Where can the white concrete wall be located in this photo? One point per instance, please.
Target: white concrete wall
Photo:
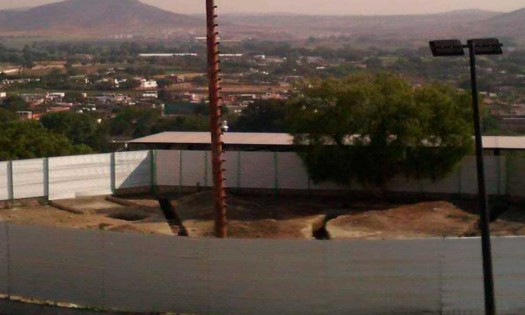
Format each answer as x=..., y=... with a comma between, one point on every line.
x=74, y=176
x=285, y=170
x=28, y=179
x=82, y=175
x=4, y=183
x=133, y=169
x=141, y=273
x=516, y=177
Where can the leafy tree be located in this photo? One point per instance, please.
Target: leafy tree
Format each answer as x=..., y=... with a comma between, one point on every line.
x=130, y=84
x=182, y=123
x=262, y=116
x=79, y=128
x=14, y=104
x=74, y=96
x=28, y=139
x=7, y=116
x=133, y=122
x=165, y=83
x=371, y=128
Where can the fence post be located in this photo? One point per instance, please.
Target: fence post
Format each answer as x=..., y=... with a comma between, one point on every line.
x=46, y=179
x=206, y=169
x=276, y=174
x=153, y=171
x=113, y=172
x=239, y=171
x=10, y=184
x=180, y=172
x=8, y=258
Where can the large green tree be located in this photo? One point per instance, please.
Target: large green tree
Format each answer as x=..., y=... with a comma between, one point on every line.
x=79, y=128
x=372, y=128
x=262, y=116
x=28, y=139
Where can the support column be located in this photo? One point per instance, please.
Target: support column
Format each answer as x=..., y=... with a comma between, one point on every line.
x=219, y=191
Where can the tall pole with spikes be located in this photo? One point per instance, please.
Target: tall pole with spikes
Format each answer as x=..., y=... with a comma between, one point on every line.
x=219, y=191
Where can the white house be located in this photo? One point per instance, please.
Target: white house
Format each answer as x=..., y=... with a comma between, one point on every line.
x=3, y=94
x=148, y=84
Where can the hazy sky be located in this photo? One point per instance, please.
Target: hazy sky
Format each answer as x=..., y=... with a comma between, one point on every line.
x=318, y=6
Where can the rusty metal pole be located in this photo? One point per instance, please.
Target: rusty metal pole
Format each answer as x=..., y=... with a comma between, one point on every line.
x=219, y=191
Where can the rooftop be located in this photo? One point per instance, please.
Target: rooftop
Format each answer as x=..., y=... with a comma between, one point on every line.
x=283, y=139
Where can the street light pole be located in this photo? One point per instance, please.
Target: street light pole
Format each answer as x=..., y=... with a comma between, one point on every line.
x=488, y=276
x=480, y=46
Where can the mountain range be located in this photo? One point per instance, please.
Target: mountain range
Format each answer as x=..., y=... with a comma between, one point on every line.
x=100, y=18
x=93, y=18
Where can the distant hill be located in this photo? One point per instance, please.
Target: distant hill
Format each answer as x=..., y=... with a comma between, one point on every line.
x=510, y=24
x=396, y=26
x=387, y=30
x=93, y=18
x=103, y=18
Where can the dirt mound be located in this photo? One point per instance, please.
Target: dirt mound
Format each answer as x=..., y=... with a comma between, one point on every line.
x=427, y=219
x=252, y=217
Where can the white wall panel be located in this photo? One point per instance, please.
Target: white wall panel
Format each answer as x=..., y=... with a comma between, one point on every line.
x=4, y=185
x=74, y=176
x=133, y=169
x=168, y=168
x=232, y=166
x=516, y=177
x=28, y=178
x=193, y=168
x=291, y=171
x=258, y=170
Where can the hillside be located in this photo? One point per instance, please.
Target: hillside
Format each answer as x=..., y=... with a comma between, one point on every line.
x=396, y=26
x=93, y=17
x=510, y=24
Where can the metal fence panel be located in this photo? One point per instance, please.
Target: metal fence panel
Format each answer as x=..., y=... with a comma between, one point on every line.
x=462, y=277
x=509, y=255
x=385, y=277
x=175, y=269
x=134, y=272
x=4, y=259
x=28, y=178
x=56, y=264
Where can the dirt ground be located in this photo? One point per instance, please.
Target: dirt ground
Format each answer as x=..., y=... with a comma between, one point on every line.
x=93, y=213
x=252, y=216
x=272, y=217
x=420, y=220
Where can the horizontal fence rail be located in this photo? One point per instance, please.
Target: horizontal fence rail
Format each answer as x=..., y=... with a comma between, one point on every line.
x=101, y=174
x=138, y=273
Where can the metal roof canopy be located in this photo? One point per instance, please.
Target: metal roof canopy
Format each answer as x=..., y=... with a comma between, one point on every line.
x=230, y=138
x=283, y=139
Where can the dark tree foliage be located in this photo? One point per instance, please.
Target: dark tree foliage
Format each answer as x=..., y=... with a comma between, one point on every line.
x=262, y=116
x=79, y=128
x=14, y=104
x=28, y=139
x=372, y=128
